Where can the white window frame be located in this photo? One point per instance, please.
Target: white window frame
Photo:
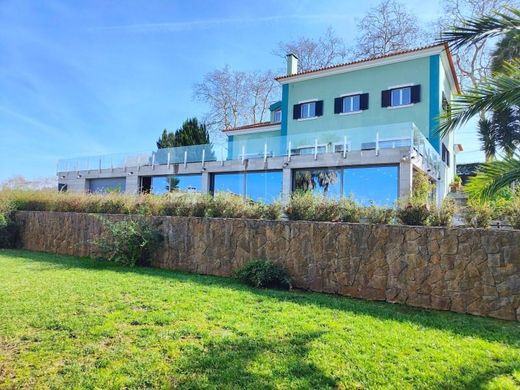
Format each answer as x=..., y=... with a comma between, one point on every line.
x=352, y=96
x=307, y=104
x=275, y=113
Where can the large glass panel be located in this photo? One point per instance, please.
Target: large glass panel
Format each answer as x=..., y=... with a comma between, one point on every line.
x=351, y=103
x=229, y=182
x=264, y=186
x=163, y=184
x=324, y=181
x=372, y=185
x=105, y=185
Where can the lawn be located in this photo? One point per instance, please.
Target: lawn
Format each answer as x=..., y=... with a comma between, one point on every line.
x=76, y=323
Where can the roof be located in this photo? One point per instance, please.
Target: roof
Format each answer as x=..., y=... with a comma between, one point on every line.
x=397, y=53
x=253, y=126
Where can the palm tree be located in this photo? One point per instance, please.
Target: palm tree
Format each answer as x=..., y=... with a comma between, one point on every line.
x=488, y=138
x=498, y=93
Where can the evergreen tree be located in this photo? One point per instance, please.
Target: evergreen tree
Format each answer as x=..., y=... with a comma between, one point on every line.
x=190, y=133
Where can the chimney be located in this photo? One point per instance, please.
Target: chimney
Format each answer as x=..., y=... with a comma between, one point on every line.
x=292, y=64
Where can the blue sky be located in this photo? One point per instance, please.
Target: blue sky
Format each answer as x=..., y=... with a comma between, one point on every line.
x=94, y=77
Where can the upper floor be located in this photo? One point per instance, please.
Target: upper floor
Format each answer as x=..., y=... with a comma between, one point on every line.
x=412, y=86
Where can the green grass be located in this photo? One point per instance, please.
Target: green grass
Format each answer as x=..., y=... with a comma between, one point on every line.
x=76, y=323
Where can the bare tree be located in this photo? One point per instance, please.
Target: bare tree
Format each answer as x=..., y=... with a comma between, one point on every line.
x=327, y=50
x=386, y=28
x=21, y=183
x=235, y=98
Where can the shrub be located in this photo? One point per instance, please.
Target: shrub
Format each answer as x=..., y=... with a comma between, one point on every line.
x=263, y=274
x=478, y=214
x=309, y=207
x=378, y=215
x=130, y=242
x=414, y=214
x=8, y=231
x=511, y=212
x=443, y=216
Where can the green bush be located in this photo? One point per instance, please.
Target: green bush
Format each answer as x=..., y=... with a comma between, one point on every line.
x=8, y=231
x=378, y=215
x=130, y=242
x=478, y=214
x=309, y=207
x=413, y=214
x=263, y=274
x=443, y=216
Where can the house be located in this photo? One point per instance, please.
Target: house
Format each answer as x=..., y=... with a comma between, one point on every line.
x=359, y=129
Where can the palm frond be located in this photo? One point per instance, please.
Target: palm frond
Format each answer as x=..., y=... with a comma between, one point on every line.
x=494, y=176
x=496, y=93
x=477, y=29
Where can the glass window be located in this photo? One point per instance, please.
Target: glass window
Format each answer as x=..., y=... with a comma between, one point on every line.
x=372, y=185
x=163, y=184
x=401, y=96
x=308, y=110
x=264, y=186
x=106, y=185
x=351, y=103
x=229, y=182
x=308, y=150
x=277, y=116
x=320, y=181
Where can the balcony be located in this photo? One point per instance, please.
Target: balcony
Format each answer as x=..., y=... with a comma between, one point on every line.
x=377, y=138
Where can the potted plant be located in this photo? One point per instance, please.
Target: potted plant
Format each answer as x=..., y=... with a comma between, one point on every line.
x=456, y=184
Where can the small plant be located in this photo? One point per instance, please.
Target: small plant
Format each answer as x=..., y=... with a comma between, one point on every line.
x=478, y=214
x=263, y=274
x=378, y=215
x=129, y=242
x=414, y=214
x=456, y=184
x=349, y=211
x=443, y=216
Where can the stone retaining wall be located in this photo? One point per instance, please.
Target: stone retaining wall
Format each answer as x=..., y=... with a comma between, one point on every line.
x=473, y=271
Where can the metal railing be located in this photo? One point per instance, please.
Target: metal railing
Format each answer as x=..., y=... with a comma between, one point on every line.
x=400, y=135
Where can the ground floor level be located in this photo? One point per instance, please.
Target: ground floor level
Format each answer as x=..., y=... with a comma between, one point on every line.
x=370, y=177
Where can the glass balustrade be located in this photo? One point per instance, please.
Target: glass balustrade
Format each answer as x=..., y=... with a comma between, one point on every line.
x=241, y=147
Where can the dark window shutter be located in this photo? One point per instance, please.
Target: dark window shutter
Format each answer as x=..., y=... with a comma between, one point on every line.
x=386, y=98
x=319, y=108
x=338, y=105
x=297, y=111
x=363, y=101
x=416, y=94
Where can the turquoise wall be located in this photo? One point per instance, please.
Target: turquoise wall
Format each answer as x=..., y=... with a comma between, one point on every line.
x=371, y=80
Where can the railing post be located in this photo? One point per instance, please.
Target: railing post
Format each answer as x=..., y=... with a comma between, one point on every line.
x=112, y=164
x=243, y=153
x=315, y=148
x=99, y=165
x=377, y=143
x=203, y=157
x=345, y=146
x=153, y=161
x=265, y=152
x=222, y=154
x=289, y=151
x=185, y=158
x=169, y=159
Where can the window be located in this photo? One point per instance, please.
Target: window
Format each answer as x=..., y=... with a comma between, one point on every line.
x=106, y=185
x=351, y=103
x=164, y=184
x=401, y=96
x=372, y=185
x=308, y=110
x=445, y=155
x=277, y=116
x=263, y=186
x=322, y=181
